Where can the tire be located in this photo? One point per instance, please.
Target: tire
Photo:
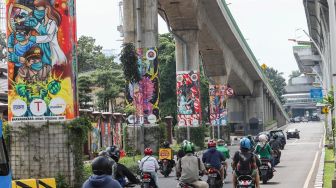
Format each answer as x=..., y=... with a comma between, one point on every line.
x=264, y=180
x=146, y=185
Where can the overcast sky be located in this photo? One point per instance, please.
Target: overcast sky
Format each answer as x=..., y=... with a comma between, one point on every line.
x=266, y=24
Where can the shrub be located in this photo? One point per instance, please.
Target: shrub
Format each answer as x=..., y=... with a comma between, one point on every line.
x=197, y=135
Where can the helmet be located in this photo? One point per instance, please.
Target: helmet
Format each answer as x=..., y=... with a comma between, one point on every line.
x=263, y=138
x=220, y=142
x=188, y=147
x=113, y=152
x=249, y=137
x=245, y=143
x=148, y=151
x=211, y=143
x=102, y=165
x=166, y=144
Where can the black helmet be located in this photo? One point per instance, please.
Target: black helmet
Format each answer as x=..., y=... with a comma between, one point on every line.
x=166, y=144
x=102, y=165
x=113, y=152
x=275, y=136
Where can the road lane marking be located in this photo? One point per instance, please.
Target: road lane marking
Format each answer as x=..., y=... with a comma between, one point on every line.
x=311, y=172
x=321, y=141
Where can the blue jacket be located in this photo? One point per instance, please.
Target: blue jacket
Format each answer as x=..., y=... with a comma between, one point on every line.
x=213, y=157
x=101, y=181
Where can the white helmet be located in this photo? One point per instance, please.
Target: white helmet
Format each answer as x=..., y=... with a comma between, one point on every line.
x=263, y=138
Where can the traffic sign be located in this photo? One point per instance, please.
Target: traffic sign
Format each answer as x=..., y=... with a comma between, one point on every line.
x=229, y=91
x=325, y=110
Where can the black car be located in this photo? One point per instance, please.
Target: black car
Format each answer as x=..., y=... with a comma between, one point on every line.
x=293, y=133
x=315, y=118
x=281, y=136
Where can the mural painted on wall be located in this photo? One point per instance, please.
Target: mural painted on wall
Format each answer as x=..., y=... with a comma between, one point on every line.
x=42, y=60
x=144, y=95
x=117, y=137
x=188, y=98
x=218, y=111
x=106, y=133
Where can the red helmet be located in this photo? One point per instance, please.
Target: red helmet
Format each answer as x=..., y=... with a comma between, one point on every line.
x=148, y=151
x=211, y=143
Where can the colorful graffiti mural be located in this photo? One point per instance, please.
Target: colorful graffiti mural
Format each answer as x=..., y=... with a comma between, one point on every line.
x=117, y=137
x=95, y=137
x=42, y=60
x=188, y=98
x=144, y=95
x=218, y=111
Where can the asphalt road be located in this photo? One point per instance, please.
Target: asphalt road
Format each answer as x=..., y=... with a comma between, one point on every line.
x=297, y=167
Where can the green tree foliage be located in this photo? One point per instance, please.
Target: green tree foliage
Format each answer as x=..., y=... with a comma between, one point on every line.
x=277, y=81
x=167, y=64
x=85, y=83
x=112, y=83
x=89, y=54
x=128, y=58
x=294, y=74
x=205, y=97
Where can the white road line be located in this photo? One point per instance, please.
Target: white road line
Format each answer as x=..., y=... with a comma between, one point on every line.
x=311, y=172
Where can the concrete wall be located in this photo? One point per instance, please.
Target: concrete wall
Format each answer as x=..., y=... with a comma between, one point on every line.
x=40, y=151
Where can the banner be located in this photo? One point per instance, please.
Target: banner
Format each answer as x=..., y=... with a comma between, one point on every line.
x=188, y=98
x=117, y=137
x=42, y=67
x=95, y=137
x=144, y=95
x=218, y=111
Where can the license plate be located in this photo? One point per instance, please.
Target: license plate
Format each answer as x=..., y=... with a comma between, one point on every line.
x=264, y=167
x=146, y=180
x=213, y=175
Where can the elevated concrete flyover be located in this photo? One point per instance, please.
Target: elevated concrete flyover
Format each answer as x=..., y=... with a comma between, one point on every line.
x=206, y=29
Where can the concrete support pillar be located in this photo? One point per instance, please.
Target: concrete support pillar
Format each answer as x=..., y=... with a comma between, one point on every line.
x=148, y=21
x=192, y=59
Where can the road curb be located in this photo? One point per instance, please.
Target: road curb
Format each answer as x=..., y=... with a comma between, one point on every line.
x=320, y=171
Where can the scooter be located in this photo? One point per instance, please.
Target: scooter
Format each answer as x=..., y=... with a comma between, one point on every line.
x=147, y=181
x=266, y=171
x=185, y=185
x=214, y=177
x=165, y=167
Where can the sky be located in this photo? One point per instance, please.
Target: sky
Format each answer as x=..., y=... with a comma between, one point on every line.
x=266, y=25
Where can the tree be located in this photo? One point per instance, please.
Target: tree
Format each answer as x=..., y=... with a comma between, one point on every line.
x=294, y=74
x=85, y=83
x=89, y=54
x=277, y=81
x=168, y=102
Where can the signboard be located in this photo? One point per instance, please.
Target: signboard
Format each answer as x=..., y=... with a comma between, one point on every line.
x=325, y=110
x=144, y=95
x=218, y=111
x=316, y=93
x=264, y=67
x=165, y=153
x=188, y=98
x=42, y=57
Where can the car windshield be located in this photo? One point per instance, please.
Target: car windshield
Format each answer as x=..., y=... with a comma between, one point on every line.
x=291, y=130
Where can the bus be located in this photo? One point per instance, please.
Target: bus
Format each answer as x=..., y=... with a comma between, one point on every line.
x=5, y=172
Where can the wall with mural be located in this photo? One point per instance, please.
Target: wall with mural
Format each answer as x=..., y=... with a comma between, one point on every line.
x=42, y=60
x=188, y=98
x=144, y=95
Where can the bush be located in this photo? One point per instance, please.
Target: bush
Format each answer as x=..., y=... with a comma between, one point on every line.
x=131, y=163
x=61, y=181
x=197, y=135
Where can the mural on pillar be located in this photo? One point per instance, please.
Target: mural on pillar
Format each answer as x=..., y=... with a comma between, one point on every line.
x=117, y=138
x=42, y=60
x=218, y=111
x=144, y=95
x=95, y=137
x=106, y=133
x=188, y=98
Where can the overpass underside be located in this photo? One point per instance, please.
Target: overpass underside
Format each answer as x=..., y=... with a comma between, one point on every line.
x=206, y=32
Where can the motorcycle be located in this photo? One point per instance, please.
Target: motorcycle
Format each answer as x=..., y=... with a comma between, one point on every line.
x=147, y=181
x=245, y=181
x=165, y=167
x=276, y=156
x=214, y=177
x=266, y=171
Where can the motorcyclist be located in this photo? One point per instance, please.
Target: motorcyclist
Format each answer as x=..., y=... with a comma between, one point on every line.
x=244, y=162
x=264, y=149
x=214, y=158
x=180, y=152
x=221, y=147
x=166, y=145
x=251, y=140
x=188, y=168
x=275, y=144
x=121, y=170
x=102, y=171
x=150, y=164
